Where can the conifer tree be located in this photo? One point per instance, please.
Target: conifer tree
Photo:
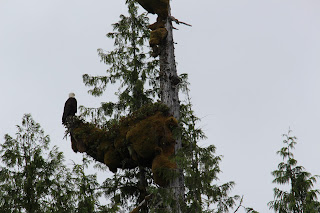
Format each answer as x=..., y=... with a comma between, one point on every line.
x=86, y=187
x=201, y=165
x=30, y=173
x=301, y=196
x=128, y=65
x=34, y=178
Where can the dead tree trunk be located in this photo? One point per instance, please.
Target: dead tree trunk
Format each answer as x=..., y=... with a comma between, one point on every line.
x=169, y=91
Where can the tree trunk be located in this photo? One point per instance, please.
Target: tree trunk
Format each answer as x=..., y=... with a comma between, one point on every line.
x=169, y=81
x=142, y=188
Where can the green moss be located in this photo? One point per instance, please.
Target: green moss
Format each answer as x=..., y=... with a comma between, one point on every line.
x=112, y=159
x=157, y=25
x=90, y=139
x=131, y=141
x=162, y=169
x=146, y=135
x=156, y=36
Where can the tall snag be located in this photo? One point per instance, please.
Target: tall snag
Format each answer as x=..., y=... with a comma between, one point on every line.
x=170, y=96
x=161, y=40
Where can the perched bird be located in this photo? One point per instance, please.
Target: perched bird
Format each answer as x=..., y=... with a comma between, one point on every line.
x=70, y=107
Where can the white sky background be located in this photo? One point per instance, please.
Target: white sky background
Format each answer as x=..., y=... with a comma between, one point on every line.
x=253, y=67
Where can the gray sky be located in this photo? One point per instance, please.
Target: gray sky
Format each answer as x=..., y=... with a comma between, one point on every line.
x=253, y=67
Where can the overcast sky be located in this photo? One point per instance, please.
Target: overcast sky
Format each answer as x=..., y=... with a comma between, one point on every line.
x=253, y=67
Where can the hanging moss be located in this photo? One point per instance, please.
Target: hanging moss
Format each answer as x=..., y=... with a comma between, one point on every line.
x=162, y=169
x=156, y=36
x=157, y=25
x=112, y=159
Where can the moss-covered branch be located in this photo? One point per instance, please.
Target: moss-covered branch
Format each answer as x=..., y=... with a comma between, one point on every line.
x=143, y=138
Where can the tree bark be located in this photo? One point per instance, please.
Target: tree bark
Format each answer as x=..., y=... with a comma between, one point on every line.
x=169, y=91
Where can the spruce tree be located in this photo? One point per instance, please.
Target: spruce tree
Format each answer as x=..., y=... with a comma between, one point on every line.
x=301, y=197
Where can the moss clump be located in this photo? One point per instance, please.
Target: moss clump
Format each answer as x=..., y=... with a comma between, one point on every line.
x=157, y=25
x=136, y=139
x=112, y=159
x=144, y=112
x=86, y=138
x=150, y=137
x=157, y=36
x=162, y=169
x=146, y=134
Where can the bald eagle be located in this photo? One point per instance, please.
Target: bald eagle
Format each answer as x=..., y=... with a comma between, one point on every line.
x=70, y=107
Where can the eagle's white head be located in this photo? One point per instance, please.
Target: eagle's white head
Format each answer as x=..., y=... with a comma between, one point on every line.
x=71, y=95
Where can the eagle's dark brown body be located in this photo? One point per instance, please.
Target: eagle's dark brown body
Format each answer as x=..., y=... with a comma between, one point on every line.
x=70, y=109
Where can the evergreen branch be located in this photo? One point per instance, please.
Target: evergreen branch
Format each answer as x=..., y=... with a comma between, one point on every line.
x=240, y=204
x=148, y=197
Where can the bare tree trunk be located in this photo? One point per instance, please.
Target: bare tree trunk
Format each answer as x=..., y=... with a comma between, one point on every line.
x=142, y=188
x=169, y=81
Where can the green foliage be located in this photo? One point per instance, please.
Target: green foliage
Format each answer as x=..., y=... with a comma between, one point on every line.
x=128, y=65
x=123, y=189
x=60, y=191
x=33, y=178
x=301, y=197
x=201, y=167
x=86, y=193
x=137, y=77
x=27, y=175
x=250, y=210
